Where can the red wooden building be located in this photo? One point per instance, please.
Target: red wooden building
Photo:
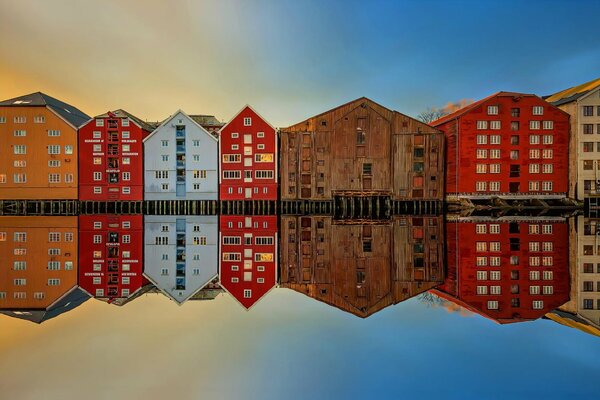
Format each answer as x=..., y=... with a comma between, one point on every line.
x=111, y=159
x=111, y=249
x=507, y=145
x=248, y=158
x=508, y=270
x=248, y=256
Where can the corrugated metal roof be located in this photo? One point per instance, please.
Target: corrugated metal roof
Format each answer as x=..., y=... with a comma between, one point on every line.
x=573, y=93
x=72, y=114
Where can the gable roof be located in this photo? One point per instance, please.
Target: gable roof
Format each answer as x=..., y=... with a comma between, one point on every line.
x=239, y=112
x=166, y=121
x=71, y=114
x=573, y=93
x=207, y=120
x=120, y=113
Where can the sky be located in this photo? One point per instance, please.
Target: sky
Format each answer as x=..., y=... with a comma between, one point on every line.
x=289, y=346
x=291, y=59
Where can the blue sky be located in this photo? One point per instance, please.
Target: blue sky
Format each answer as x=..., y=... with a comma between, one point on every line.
x=292, y=59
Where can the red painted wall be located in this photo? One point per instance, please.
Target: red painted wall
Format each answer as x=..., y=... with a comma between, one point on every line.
x=91, y=254
x=461, y=282
x=227, y=145
x=461, y=134
x=87, y=167
x=254, y=226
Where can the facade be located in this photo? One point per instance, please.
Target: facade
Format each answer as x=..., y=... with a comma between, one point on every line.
x=38, y=160
x=585, y=272
x=361, y=268
x=361, y=149
x=248, y=158
x=508, y=269
x=582, y=103
x=181, y=161
x=248, y=256
x=181, y=254
x=111, y=255
x=38, y=277
x=111, y=157
x=508, y=145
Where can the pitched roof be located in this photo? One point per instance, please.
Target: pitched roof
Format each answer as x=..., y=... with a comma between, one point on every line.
x=147, y=126
x=73, y=115
x=166, y=121
x=460, y=112
x=572, y=93
x=207, y=120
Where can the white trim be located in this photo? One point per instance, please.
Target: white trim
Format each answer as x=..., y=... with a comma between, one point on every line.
x=165, y=122
x=239, y=112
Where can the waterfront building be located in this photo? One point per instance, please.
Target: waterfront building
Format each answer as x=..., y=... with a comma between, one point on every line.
x=361, y=149
x=511, y=269
x=248, y=158
x=181, y=254
x=111, y=157
x=582, y=103
x=38, y=273
x=111, y=255
x=248, y=256
x=38, y=158
x=508, y=145
x=181, y=161
x=361, y=268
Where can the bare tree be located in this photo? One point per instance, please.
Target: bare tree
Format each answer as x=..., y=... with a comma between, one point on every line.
x=431, y=114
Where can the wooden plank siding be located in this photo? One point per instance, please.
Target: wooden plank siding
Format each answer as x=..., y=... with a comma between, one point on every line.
x=361, y=148
x=361, y=268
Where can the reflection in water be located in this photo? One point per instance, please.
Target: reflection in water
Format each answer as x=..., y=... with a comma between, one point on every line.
x=509, y=269
x=361, y=268
x=38, y=280
x=181, y=254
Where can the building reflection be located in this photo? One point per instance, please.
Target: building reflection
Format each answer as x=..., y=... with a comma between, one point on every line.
x=583, y=310
x=361, y=268
x=248, y=259
x=509, y=269
x=111, y=256
x=181, y=254
x=38, y=272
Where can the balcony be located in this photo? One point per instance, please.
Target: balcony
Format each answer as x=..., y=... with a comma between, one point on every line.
x=180, y=160
x=180, y=131
x=112, y=124
x=180, y=145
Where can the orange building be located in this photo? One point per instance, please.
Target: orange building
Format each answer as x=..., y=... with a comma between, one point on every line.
x=38, y=270
x=38, y=158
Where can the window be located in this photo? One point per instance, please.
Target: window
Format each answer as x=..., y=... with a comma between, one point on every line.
x=514, y=126
x=164, y=143
x=196, y=143
x=20, y=120
x=97, y=190
x=126, y=176
x=20, y=237
x=534, y=154
x=126, y=239
x=534, y=125
x=161, y=174
x=97, y=176
x=20, y=265
x=53, y=282
x=538, y=110
x=232, y=158
x=482, y=125
x=492, y=110
x=481, y=186
x=548, y=290
x=99, y=122
x=534, y=139
x=495, y=125
x=481, y=168
x=495, y=139
x=482, y=290
x=481, y=139
x=548, y=139
x=19, y=178
x=480, y=228
x=264, y=157
x=547, y=125
x=247, y=121
x=492, y=305
x=495, y=153
x=495, y=246
x=97, y=148
x=53, y=132
x=2, y=178
x=125, y=122
x=494, y=275
x=96, y=134
x=538, y=304
x=534, y=186
x=494, y=261
x=547, y=153
x=494, y=228
x=547, y=168
x=126, y=148
x=588, y=111
x=247, y=293
x=20, y=133
x=53, y=178
x=68, y=149
x=494, y=186
x=495, y=290
x=20, y=282
x=2, y=120
x=481, y=261
x=232, y=174
x=54, y=236
x=20, y=149
x=547, y=186
x=264, y=174
x=534, y=168
x=54, y=149
x=481, y=153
